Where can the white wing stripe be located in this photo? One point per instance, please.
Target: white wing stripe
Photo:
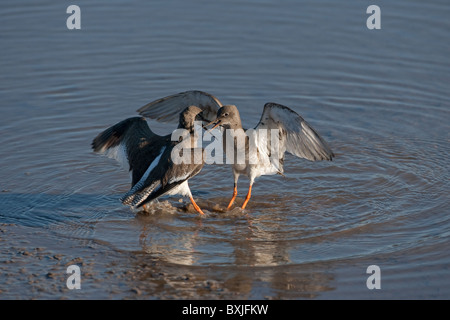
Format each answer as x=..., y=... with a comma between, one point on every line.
x=141, y=181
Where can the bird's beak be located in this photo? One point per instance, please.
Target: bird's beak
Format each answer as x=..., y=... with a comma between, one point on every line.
x=216, y=123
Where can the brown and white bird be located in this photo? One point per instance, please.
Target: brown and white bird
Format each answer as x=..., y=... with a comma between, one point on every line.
x=294, y=134
x=149, y=157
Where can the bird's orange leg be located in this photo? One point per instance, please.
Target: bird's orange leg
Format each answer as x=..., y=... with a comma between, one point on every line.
x=196, y=207
x=249, y=194
x=233, y=198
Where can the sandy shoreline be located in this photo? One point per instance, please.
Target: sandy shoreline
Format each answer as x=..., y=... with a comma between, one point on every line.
x=33, y=266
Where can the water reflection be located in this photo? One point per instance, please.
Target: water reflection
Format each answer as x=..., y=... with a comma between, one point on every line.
x=155, y=277
x=187, y=240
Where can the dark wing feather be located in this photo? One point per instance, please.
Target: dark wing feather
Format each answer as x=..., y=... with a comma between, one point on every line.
x=168, y=109
x=132, y=143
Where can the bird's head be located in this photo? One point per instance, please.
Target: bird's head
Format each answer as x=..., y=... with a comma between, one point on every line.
x=227, y=117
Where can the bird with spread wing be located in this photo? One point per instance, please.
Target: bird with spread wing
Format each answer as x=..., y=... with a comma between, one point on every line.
x=294, y=134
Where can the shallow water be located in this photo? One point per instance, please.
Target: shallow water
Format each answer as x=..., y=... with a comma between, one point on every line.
x=380, y=98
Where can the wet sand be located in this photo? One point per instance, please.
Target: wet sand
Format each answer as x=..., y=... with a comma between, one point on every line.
x=34, y=268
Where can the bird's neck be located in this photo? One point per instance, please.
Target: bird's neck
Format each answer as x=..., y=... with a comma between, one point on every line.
x=236, y=125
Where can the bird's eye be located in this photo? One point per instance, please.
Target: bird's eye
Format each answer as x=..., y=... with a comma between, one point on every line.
x=225, y=114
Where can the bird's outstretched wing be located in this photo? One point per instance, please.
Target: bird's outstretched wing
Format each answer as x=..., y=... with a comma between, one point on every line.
x=168, y=109
x=132, y=143
x=296, y=136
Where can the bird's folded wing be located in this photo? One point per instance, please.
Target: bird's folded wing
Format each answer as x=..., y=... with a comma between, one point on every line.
x=168, y=109
x=295, y=134
x=165, y=177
